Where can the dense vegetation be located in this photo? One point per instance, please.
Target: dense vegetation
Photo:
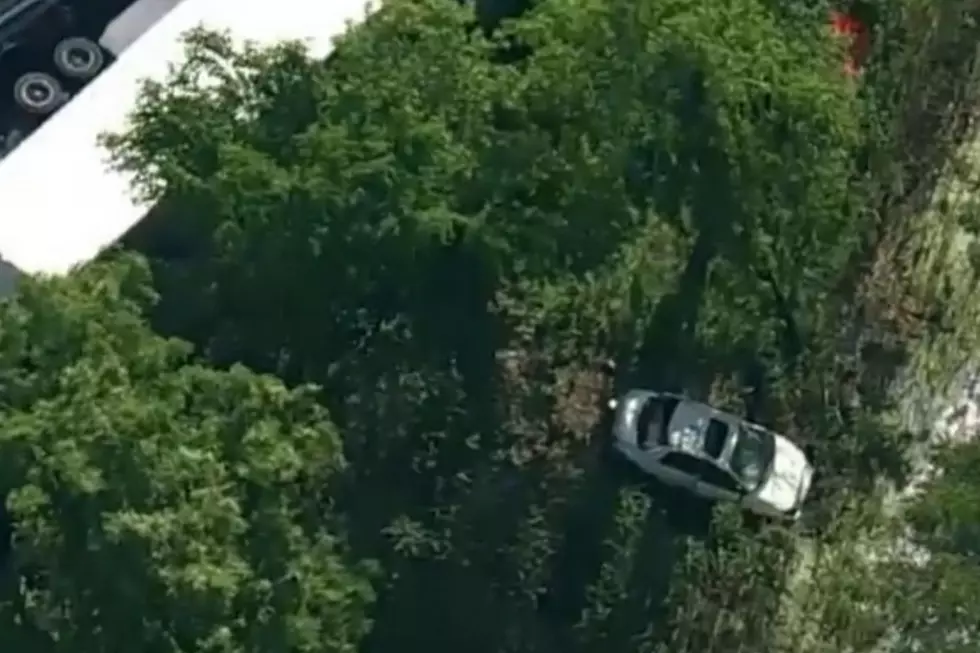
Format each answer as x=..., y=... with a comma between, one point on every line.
x=344, y=390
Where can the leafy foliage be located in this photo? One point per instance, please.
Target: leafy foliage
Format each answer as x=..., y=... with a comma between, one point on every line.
x=156, y=499
x=944, y=574
x=450, y=227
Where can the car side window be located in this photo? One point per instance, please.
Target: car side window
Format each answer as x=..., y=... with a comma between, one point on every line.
x=702, y=470
x=719, y=478
x=683, y=462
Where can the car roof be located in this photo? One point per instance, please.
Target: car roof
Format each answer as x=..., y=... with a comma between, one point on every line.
x=717, y=413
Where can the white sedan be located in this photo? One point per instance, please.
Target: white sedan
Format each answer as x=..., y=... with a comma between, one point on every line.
x=718, y=456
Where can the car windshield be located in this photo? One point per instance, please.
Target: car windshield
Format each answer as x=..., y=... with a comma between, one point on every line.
x=752, y=456
x=654, y=420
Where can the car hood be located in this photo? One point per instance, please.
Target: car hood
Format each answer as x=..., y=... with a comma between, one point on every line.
x=789, y=479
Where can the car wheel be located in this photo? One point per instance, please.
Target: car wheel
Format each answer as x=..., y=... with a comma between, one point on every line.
x=78, y=58
x=11, y=140
x=38, y=93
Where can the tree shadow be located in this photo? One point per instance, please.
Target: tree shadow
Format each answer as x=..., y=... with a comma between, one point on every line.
x=6, y=533
x=669, y=344
x=585, y=545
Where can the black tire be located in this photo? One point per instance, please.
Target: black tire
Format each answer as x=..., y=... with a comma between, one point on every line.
x=38, y=93
x=79, y=58
x=11, y=140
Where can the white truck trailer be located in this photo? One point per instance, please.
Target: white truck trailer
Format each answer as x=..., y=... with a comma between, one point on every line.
x=60, y=203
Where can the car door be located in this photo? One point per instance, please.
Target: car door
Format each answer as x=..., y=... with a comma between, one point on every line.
x=680, y=469
x=718, y=484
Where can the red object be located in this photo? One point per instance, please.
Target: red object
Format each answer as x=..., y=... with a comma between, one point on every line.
x=856, y=32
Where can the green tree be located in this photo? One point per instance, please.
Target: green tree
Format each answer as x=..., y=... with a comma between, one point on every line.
x=156, y=502
x=416, y=153
x=445, y=226
x=941, y=574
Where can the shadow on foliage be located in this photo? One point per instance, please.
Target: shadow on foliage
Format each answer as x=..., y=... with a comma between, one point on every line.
x=669, y=344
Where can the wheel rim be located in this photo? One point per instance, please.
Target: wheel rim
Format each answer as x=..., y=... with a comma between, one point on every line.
x=78, y=57
x=37, y=93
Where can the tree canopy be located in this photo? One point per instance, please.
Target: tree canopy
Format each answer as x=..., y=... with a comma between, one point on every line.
x=156, y=500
